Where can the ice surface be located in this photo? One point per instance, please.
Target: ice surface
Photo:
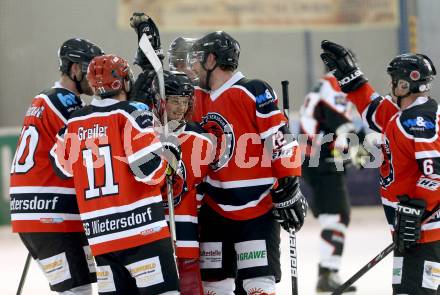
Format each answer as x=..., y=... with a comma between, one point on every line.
x=366, y=237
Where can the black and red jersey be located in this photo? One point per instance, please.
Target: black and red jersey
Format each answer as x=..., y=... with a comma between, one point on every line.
x=41, y=201
x=113, y=153
x=411, y=151
x=253, y=147
x=196, y=150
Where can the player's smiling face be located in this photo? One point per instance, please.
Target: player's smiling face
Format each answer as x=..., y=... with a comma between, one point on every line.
x=176, y=107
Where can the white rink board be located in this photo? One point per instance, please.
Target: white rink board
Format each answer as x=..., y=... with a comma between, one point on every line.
x=366, y=237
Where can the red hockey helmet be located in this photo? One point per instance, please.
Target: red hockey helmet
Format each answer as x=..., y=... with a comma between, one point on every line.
x=108, y=75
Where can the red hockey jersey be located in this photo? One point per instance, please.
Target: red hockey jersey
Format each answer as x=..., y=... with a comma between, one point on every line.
x=411, y=151
x=41, y=201
x=253, y=146
x=112, y=151
x=196, y=156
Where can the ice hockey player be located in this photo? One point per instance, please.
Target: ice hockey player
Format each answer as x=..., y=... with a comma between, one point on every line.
x=410, y=172
x=115, y=157
x=253, y=181
x=43, y=207
x=326, y=119
x=178, y=56
x=196, y=152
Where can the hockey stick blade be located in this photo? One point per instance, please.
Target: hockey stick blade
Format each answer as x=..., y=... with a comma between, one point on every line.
x=376, y=260
x=147, y=49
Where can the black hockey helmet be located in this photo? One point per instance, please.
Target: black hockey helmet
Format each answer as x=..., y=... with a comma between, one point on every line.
x=77, y=50
x=178, y=52
x=146, y=89
x=416, y=69
x=178, y=84
x=221, y=44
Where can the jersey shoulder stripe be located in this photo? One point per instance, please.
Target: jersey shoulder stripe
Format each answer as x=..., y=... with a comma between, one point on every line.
x=137, y=113
x=62, y=101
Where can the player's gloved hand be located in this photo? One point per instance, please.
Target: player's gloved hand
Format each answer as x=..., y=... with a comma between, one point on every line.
x=142, y=89
x=142, y=23
x=172, y=153
x=179, y=188
x=290, y=206
x=342, y=62
x=408, y=222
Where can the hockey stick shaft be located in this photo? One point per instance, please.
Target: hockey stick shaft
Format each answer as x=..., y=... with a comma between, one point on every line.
x=375, y=260
x=147, y=49
x=24, y=274
x=292, y=236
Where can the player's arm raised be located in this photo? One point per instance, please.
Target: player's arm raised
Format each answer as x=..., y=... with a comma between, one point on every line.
x=374, y=108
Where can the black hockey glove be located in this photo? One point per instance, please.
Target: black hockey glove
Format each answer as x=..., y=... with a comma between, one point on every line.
x=290, y=206
x=408, y=222
x=142, y=23
x=143, y=89
x=342, y=63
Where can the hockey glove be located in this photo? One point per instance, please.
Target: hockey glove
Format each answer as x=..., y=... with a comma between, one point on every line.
x=142, y=23
x=342, y=63
x=290, y=206
x=408, y=222
x=172, y=153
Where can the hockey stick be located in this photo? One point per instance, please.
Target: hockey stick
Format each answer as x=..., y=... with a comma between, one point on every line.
x=24, y=273
x=375, y=261
x=292, y=236
x=147, y=49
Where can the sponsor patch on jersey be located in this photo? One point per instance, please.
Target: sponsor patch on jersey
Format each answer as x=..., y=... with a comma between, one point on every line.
x=251, y=254
x=428, y=184
x=55, y=268
x=67, y=100
x=419, y=124
x=147, y=272
x=140, y=106
x=89, y=258
x=105, y=280
x=211, y=255
x=431, y=275
x=264, y=98
x=397, y=270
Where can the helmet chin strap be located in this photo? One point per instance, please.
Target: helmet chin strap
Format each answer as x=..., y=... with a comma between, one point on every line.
x=208, y=75
x=77, y=82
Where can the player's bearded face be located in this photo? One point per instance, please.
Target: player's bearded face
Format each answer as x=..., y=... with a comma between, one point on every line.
x=86, y=86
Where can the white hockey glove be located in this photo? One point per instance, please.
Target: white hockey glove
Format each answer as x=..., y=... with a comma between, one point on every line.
x=408, y=222
x=172, y=153
x=290, y=206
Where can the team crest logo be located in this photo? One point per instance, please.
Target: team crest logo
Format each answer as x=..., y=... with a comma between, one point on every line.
x=387, y=169
x=216, y=124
